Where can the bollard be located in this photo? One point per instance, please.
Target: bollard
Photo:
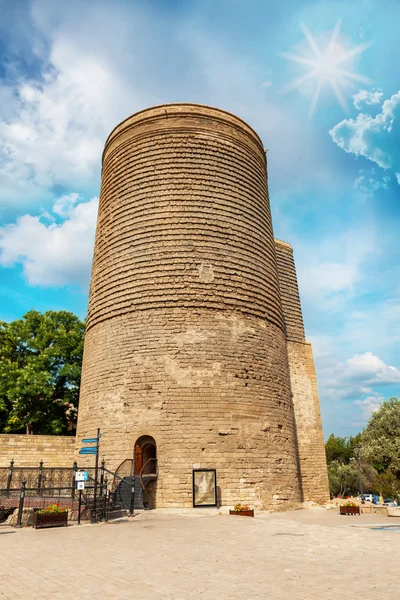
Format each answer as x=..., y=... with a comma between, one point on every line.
x=21, y=505
x=79, y=507
x=104, y=515
x=131, y=510
x=10, y=474
x=73, y=484
x=39, y=483
x=102, y=472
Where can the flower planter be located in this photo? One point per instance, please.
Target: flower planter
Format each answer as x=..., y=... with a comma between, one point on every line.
x=56, y=519
x=349, y=510
x=242, y=513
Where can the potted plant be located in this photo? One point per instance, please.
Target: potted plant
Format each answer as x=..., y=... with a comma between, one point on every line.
x=349, y=508
x=52, y=516
x=243, y=510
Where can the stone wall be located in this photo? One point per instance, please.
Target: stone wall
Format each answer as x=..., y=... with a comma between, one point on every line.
x=289, y=290
x=29, y=450
x=185, y=337
x=310, y=441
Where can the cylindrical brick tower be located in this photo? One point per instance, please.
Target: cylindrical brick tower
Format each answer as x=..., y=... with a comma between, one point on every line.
x=185, y=342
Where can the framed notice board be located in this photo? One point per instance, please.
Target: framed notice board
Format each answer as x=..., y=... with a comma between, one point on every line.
x=204, y=487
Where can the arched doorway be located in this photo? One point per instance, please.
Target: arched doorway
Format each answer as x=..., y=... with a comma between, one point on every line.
x=145, y=459
x=145, y=469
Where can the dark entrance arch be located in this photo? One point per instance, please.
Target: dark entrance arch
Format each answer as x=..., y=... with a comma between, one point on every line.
x=145, y=459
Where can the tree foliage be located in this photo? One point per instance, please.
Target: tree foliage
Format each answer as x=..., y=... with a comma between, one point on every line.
x=40, y=370
x=344, y=478
x=341, y=449
x=379, y=455
x=381, y=438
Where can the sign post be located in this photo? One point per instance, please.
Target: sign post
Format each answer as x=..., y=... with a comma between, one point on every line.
x=80, y=478
x=79, y=506
x=96, y=471
x=93, y=450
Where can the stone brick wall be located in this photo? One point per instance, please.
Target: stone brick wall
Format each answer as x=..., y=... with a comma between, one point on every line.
x=29, y=450
x=185, y=339
x=289, y=290
x=310, y=441
x=313, y=469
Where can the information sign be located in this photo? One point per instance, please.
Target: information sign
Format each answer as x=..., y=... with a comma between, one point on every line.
x=88, y=451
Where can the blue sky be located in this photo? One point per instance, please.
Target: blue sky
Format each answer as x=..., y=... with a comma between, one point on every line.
x=69, y=72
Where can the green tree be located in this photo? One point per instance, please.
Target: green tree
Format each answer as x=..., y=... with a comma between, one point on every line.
x=341, y=449
x=344, y=479
x=381, y=438
x=388, y=485
x=40, y=370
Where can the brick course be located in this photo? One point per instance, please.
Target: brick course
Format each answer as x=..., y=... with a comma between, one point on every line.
x=185, y=338
x=303, y=381
x=188, y=325
x=29, y=450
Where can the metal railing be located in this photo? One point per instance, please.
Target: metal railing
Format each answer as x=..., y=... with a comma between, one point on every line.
x=39, y=487
x=148, y=472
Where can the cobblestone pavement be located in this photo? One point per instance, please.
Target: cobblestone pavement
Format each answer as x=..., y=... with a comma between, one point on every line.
x=302, y=555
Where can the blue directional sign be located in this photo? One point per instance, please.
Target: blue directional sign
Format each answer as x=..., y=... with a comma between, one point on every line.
x=90, y=441
x=88, y=451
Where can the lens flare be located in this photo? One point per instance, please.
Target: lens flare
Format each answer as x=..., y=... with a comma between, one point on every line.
x=327, y=66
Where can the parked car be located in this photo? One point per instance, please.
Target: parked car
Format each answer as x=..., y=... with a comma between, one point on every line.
x=368, y=497
x=371, y=498
x=389, y=502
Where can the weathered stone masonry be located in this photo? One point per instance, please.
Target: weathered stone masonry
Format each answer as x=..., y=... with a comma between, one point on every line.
x=187, y=331
x=29, y=450
x=310, y=441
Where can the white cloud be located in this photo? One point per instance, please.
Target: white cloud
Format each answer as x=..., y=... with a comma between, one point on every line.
x=57, y=132
x=64, y=205
x=375, y=138
x=367, y=97
x=370, y=369
x=330, y=274
x=368, y=184
x=369, y=405
x=104, y=65
x=54, y=254
x=354, y=376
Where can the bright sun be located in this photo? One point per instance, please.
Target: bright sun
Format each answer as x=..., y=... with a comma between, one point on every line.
x=327, y=66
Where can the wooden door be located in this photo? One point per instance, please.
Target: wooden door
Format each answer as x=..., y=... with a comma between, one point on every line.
x=139, y=459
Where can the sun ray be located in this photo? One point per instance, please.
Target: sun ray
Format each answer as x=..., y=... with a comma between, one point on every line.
x=353, y=52
x=354, y=76
x=298, y=82
x=310, y=40
x=315, y=99
x=338, y=94
x=334, y=36
x=299, y=59
x=325, y=66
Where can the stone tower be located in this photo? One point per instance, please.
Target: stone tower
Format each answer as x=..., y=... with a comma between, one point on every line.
x=189, y=325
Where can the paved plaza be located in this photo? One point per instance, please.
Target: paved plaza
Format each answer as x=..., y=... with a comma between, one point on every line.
x=301, y=555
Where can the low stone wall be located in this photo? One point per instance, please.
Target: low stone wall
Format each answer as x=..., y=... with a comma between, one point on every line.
x=373, y=509
x=29, y=450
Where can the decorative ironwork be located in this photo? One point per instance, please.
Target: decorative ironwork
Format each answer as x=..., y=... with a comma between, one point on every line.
x=36, y=488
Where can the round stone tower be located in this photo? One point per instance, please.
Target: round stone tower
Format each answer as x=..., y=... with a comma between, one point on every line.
x=185, y=352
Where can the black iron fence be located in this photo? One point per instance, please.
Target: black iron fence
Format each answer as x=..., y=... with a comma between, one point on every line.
x=24, y=490
x=39, y=477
